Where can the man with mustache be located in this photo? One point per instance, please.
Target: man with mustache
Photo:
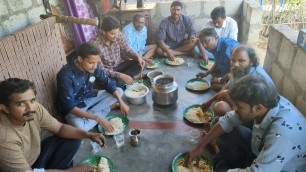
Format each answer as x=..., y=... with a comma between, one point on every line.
x=21, y=119
x=176, y=33
x=135, y=34
x=244, y=61
x=276, y=141
x=225, y=26
x=112, y=45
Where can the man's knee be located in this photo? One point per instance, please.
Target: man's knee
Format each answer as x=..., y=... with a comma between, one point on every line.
x=221, y=108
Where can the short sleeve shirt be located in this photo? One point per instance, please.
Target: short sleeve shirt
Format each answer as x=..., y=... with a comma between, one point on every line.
x=223, y=54
x=20, y=145
x=278, y=141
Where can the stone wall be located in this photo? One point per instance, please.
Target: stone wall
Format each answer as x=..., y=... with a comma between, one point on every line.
x=285, y=63
x=16, y=15
x=247, y=13
x=197, y=10
x=250, y=22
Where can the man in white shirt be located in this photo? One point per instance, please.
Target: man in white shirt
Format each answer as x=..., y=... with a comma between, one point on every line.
x=224, y=26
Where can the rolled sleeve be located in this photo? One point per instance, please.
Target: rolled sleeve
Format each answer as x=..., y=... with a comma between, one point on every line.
x=229, y=121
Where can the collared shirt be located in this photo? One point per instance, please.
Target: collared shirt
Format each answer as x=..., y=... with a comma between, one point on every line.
x=223, y=53
x=174, y=33
x=278, y=141
x=253, y=70
x=135, y=39
x=229, y=28
x=74, y=86
x=110, y=54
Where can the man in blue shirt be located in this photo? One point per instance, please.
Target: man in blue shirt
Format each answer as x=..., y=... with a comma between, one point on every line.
x=277, y=140
x=221, y=48
x=135, y=35
x=83, y=106
x=176, y=33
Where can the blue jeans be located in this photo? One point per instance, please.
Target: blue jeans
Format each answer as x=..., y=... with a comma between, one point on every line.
x=95, y=105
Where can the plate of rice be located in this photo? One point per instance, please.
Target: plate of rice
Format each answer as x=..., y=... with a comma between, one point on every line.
x=119, y=122
x=197, y=84
x=101, y=163
x=178, y=164
x=208, y=66
x=177, y=61
x=194, y=114
x=156, y=65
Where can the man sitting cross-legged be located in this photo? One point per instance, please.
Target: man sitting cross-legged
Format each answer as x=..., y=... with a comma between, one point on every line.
x=21, y=119
x=176, y=33
x=135, y=35
x=112, y=44
x=83, y=106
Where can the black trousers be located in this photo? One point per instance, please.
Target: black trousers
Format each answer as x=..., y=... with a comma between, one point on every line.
x=235, y=150
x=128, y=67
x=57, y=153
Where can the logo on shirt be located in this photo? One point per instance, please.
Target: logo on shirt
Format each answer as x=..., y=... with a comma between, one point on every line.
x=92, y=79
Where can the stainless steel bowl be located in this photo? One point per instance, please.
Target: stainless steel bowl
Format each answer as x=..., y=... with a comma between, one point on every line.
x=135, y=99
x=151, y=75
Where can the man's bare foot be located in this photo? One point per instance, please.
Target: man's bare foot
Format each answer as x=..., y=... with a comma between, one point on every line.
x=114, y=106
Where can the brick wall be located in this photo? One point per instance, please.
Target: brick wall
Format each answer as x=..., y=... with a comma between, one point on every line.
x=285, y=62
x=247, y=13
x=18, y=14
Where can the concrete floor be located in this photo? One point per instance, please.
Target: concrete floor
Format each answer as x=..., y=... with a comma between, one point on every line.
x=164, y=131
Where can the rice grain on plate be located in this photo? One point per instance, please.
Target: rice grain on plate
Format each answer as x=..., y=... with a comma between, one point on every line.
x=197, y=115
x=102, y=166
x=197, y=85
x=203, y=166
x=118, y=126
